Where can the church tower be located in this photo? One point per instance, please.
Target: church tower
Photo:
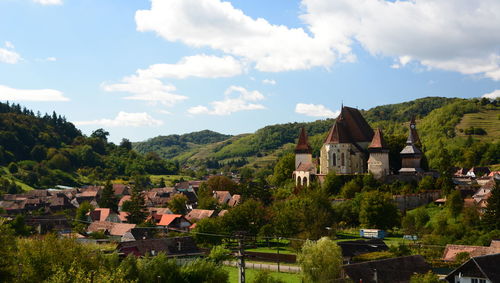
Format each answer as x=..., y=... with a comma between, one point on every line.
x=305, y=169
x=411, y=156
x=303, y=151
x=378, y=163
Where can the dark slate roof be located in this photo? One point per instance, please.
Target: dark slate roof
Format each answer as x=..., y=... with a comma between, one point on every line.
x=480, y=266
x=350, y=127
x=411, y=149
x=303, y=145
x=354, y=248
x=392, y=270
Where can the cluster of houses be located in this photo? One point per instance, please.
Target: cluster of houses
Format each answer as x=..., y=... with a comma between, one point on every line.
x=41, y=208
x=475, y=186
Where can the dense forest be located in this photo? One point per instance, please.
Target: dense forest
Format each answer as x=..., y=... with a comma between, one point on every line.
x=43, y=151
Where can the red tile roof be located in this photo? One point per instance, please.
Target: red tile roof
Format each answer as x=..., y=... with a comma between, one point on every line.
x=166, y=219
x=378, y=140
x=197, y=214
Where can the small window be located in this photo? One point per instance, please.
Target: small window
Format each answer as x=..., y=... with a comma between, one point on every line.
x=482, y=280
x=334, y=159
x=342, y=159
x=473, y=280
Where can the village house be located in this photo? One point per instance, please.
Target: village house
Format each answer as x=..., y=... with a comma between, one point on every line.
x=198, y=214
x=116, y=230
x=392, y=270
x=479, y=269
x=178, y=247
x=103, y=214
x=351, y=249
x=174, y=222
x=222, y=197
x=451, y=251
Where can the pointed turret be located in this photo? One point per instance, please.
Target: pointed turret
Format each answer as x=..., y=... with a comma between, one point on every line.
x=413, y=130
x=303, y=145
x=378, y=141
x=378, y=163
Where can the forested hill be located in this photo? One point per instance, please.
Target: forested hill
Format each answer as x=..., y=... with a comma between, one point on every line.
x=41, y=151
x=438, y=119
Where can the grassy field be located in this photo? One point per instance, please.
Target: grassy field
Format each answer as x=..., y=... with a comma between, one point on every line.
x=486, y=119
x=273, y=250
x=169, y=179
x=251, y=273
x=4, y=172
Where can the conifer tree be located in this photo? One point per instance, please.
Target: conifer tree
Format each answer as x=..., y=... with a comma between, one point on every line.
x=108, y=198
x=136, y=205
x=492, y=214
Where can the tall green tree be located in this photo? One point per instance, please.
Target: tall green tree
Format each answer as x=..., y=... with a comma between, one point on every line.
x=320, y=261
x=136, y=205
x=108, y=198
x=492, y=214
x=283, y=170
x=378, y=211
x=178, y=204
x=454, y=203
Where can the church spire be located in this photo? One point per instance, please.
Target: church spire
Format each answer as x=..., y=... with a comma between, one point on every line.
x=303, y=145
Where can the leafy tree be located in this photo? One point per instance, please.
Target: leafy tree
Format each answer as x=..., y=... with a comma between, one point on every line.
x=7, y=252
x=13, y=168
x=126, y=144
x=200, y=270
x=378, y=211
x=219, y=254
x=100, y=134
x=221, y=183
x=19, y=226
x=178, y=204
x=39, y=152
x=427, y=183
x=283, y=170
x=320, y=261
x=264, y=276
x=81, y=216
x=108, y=198
x=249, y=216
x=206, y=230
x=415, y=221
x=350, y=189
x=429, y=277
x=333, y=183
x=454, y=203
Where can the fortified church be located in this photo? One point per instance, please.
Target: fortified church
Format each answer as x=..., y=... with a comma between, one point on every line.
x=352, y=147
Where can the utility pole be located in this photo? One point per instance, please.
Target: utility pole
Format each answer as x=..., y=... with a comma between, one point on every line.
x=241, y=257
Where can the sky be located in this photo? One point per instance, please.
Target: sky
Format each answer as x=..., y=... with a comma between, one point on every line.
x=143, y=68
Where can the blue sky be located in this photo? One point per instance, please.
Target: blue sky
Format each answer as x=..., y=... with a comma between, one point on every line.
x=145, y=68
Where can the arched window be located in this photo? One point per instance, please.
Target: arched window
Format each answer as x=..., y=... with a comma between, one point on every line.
x=334, y=159
x=299, y=181
x=304, y=181
x=342, y=159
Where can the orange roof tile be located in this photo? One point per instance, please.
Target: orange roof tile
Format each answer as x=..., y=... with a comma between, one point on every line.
x=166, y=219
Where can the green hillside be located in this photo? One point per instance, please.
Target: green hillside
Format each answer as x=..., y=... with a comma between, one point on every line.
x=437, y=118
x=487, y=119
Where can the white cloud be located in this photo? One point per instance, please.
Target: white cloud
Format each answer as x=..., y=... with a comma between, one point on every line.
x=236, y=99
x=9, y=44
x=268, y=82
x=315, y=110
x=124, y=119
x=9, y=56
x=49, y=2
x=203, y=66
x=492, y=95
x=8, y=93
x=219, y=25
x=454, y=35
x=146, y=89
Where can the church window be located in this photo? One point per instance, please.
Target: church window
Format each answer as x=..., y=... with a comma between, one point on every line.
x=342, y=159
x=334, y=159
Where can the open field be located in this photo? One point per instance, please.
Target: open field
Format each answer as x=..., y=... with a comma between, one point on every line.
x=486, y=119
x=169, y=179
x=251, y=273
